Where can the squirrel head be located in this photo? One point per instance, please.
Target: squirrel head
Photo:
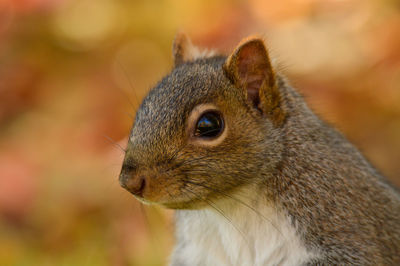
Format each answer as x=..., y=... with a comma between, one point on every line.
x=209, y=127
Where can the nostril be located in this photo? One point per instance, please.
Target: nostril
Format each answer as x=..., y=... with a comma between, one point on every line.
x=136, y=185
x=127, y=173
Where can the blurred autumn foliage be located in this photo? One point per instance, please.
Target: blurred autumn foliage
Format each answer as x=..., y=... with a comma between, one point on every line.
x=72, y=73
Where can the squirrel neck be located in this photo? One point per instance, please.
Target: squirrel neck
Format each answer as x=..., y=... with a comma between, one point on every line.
x=244, y=229
x=328, y=188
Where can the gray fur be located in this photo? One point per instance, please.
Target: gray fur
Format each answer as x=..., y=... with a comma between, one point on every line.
x=340, y=204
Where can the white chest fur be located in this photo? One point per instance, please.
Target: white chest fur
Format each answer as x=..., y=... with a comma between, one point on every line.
x=240, y=235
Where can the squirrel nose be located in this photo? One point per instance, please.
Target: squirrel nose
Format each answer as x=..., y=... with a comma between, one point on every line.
x=135, y=185
x=131, y=181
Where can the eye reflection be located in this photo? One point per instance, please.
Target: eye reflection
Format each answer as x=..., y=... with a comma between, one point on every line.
x=209, y=125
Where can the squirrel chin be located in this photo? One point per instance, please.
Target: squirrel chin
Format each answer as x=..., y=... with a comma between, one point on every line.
x=190, y=204
x=187, y=205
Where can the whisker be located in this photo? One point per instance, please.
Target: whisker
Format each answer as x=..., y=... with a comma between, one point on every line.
x=237, y=200
x=131, y=85
x=114, y=143
x=184, y=162
x=214, y=206
x=149, y=227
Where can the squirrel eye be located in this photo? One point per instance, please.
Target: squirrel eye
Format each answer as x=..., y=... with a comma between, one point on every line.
x=209, y=125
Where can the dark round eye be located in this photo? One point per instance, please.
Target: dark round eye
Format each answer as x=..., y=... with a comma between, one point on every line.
x=209, y=125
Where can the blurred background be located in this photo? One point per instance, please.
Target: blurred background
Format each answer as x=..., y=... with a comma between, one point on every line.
x=72, y=73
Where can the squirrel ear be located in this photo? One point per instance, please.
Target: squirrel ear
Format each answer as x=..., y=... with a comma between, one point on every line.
x=182, y=48
x=249, y=67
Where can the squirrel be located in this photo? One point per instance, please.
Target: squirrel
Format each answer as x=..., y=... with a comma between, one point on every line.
x=255, y=176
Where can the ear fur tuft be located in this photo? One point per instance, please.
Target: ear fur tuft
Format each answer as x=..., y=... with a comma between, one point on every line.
x=183, y=50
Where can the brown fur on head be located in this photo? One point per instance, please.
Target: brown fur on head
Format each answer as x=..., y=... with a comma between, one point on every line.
x=166, y=163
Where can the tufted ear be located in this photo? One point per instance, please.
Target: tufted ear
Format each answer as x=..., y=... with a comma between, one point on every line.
x=182, y=49
x=249, y=68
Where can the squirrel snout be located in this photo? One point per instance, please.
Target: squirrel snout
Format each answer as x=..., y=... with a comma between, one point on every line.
x=132, y=182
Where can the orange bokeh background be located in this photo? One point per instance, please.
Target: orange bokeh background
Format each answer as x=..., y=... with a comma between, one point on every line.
x=72, y=73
